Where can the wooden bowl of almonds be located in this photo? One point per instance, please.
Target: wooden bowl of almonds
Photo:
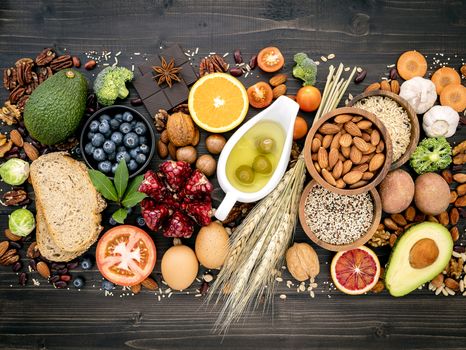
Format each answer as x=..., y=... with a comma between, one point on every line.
x=348, y=151
x=339, y=222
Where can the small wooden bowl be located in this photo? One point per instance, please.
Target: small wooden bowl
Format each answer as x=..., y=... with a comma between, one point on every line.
x=377, y=204
x=415, y=131
x=384, y=136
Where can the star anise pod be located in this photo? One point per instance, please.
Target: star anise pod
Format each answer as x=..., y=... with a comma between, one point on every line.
x=167, y=72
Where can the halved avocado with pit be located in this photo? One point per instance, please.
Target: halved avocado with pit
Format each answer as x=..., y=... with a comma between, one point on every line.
x=419, y=255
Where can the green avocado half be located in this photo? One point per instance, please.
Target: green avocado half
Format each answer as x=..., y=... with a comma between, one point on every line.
x=401, y=277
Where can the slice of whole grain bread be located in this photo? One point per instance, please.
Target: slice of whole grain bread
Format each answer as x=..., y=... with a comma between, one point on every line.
x=69, y=203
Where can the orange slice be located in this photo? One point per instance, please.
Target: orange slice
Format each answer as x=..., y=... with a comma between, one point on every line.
x=218, y=102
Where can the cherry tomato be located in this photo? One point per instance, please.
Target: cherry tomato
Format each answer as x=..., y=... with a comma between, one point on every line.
x=308, y=98
x=260, y=95
x=300, y=128
x=126, y=255
x=270, y=59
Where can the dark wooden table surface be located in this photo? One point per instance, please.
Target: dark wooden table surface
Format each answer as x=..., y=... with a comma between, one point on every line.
x=370, y=34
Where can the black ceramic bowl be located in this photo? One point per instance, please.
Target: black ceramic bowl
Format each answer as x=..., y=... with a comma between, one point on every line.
x=112, y=111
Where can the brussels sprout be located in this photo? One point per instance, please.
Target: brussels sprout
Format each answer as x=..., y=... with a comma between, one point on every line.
x=15, y=171
x=21, y=222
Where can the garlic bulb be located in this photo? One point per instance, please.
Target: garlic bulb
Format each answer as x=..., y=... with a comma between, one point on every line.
x=420, y=93
x=440, y=121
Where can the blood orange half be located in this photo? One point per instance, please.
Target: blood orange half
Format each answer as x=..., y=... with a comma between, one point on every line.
x=355, y=271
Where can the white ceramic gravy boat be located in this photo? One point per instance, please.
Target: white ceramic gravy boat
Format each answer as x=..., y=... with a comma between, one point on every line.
x=283, y=111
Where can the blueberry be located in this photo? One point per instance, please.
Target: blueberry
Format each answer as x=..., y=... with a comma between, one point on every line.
x=86, y=263
x=134, y=152
x=125, y=128
x=112, y=221
x=107, y=285
x=104, y=117
x=140, y=128
x=98, y=140
x=133, y=124
x=89, y=148
x=141, y=158
x=114, y=124
x=109, y=147
x=127, y=117
x=94, y=126
x=119, y=117
x=140, y=221
x=78, y=282
x=132, y=165
x=98, y=154
x=144, y=148
x=123, y=155
x=131, y=140
x=105, y=166
x=104, y=126
x=114, y=167
x=91, y=134
x=111, y=156
x=117, y=137
x=121, y=149
x=142, y=140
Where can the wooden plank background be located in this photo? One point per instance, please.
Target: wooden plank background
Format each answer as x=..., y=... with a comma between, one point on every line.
x=367, y=33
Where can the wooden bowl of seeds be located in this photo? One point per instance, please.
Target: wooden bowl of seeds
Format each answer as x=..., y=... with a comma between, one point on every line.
x=348, y=151
x=398, y=117
x=339, y=222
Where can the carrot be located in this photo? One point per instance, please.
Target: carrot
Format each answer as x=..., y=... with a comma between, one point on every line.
x=454, y=95
x=443, y=77
x=411, y=64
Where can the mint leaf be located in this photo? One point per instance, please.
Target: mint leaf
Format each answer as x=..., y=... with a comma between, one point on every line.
x=103, y=184
x=132, y=196
x=120, y=215
x=121, y=178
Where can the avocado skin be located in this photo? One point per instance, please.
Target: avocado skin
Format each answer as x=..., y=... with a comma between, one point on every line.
x=433, y=270
x=55, y=108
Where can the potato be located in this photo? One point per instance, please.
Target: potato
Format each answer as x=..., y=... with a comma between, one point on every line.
x=396, y=191
x=432, y=194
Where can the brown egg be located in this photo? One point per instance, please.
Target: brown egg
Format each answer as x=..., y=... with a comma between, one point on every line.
x=179, y=267
x=212, y=245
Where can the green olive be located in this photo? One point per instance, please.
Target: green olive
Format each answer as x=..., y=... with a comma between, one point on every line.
x=266, y=145
x=245, y=174
x=262, y=165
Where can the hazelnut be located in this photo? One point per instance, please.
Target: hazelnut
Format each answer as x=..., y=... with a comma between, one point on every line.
x=206, y=164
x=187, y=154
x=215, y=143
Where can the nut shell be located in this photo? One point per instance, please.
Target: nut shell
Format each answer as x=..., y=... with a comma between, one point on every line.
x=180, y=129
x=302, y=261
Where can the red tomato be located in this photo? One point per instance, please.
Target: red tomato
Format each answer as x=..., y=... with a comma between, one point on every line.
x=260, y=95
x=125, y=255
x=308, y=98
x=270, y=59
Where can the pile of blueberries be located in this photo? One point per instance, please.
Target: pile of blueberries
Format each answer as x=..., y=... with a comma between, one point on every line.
x=113, y=139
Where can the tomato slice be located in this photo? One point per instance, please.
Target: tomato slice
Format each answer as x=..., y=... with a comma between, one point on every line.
x=270, y=59
x=126, y=255
x=260, y=95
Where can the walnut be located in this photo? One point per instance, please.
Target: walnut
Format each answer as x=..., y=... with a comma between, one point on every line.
x=455, y=268
x=380, y=238
x=9, y=114
x=302, y=261
x=160, y=120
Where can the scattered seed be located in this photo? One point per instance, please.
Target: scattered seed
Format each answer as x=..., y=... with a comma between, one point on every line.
x=282, y=296
x=331, y=56
x=323, y=58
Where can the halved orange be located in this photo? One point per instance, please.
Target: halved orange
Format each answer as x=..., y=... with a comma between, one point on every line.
x=218, y=102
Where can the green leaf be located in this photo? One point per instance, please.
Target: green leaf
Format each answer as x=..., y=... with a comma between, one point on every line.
x=103, y=184
x=132, y=196
x=120, y=215
x=121, y=178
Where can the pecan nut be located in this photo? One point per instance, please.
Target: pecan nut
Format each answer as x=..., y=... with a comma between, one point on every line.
x=212, y=64
x=61, y=62
x=24, y=71
x=9, y=78
x=15, y=197
x=45, y=57
x=44, y=73
x=10, y=257
x=22, y=102
x=16, y=94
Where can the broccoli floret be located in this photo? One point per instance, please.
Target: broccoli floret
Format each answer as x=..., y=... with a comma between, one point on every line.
x=305, y=69
x=431, y=154
x=110, y=84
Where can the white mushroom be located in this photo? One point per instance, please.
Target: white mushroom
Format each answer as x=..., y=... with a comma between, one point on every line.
x=420, y=93
x=440, y=121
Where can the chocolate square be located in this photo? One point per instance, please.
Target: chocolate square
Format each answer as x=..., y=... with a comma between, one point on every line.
x=147, y=67
x=146, y=86
x=177, y=94
x=175, y=52
x=188, y=74
x=157, y=101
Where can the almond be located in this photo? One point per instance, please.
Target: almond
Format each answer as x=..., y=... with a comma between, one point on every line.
x=361, y=144
x=164, y=137
x=136, y=288
x=317, y=166
x=385, y=85
x=162, y=149
x=11, y=236
x=366, y=158
x=455, y=233
x=3, y=247
x=375, y=137
x=314, y=157
x=340, y=183
x=371, y=149
x=376, y=162
x=361, y=167
x=461, y=190
x=337, y=170
x=31, y=151
x=328, y=177
x=444, y=218
x=172, y=151
x=452, y=284
x=343, y=118
x=359, y=184
x=437, y=282
x=355, y=154
x=336, y=141
x=454, y=216
x=279, y=90
x=390, y=224
x=319, y=136
x=278, y=79
x=43, y=269
x=432, y=218
x=366, y=137
x=347, y=165
x=346, y=151
x=150, y=284
x=346, y=140
x=364, y=124
x=460, y=202
x=453, y=197
x=410, y=214
x=327, y=141
x=329, y=129
x=399, y=219
x=380, y=147
x=332, y=157
x=395, y=86
x=461, y=178
x=352, y=129
x=316, y=143
x=322, y=158
x=372, y=87
x=356, y=119
x=16, y=138
x=352, y=177
x=367, y=175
